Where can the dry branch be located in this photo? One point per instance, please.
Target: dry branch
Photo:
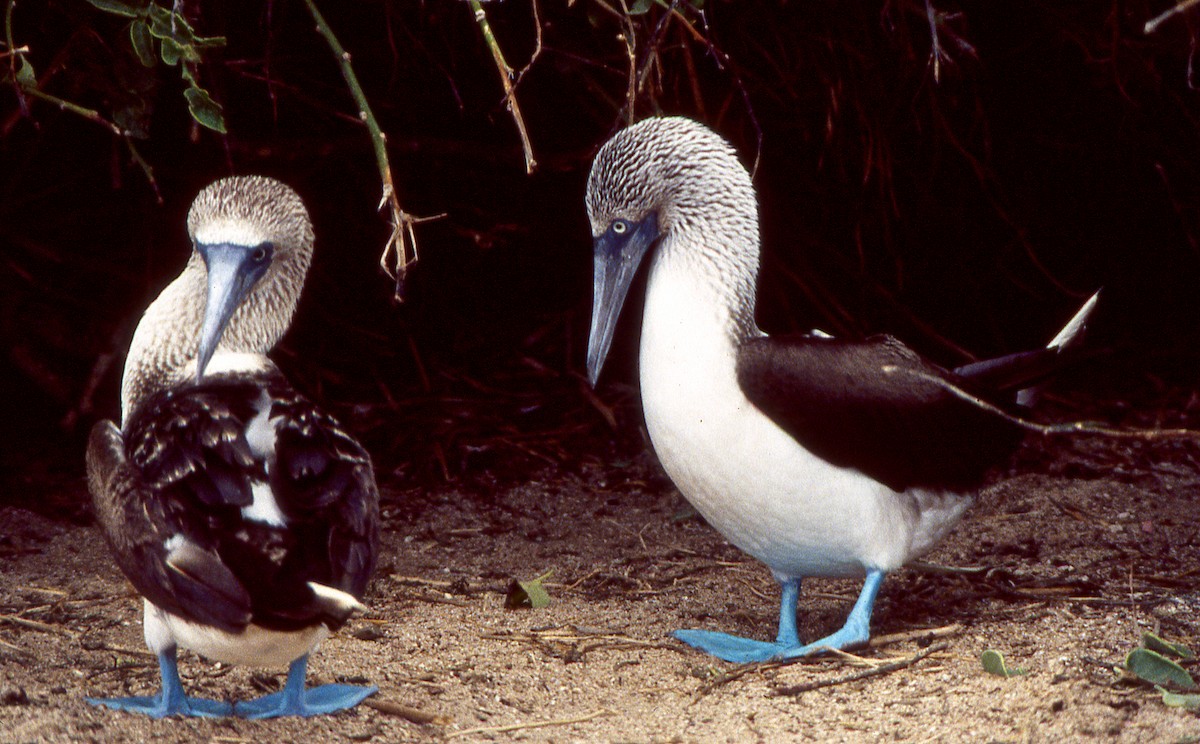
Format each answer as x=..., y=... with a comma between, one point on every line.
x=402, y=242
x=507, y=75
x=908, y=661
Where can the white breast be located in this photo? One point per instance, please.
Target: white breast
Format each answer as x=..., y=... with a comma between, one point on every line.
x=750, y=480
x=255, y=646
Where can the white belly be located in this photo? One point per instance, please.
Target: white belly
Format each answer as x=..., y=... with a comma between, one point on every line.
x=255, y=646
x=750, y=480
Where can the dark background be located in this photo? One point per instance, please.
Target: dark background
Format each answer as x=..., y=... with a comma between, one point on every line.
x=1057, y=154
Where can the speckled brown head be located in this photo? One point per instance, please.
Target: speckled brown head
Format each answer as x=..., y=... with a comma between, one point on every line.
x=674, y=187
x=252, y=245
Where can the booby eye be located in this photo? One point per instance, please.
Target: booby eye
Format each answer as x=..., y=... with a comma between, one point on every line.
x=262, y=253
x=619, y=227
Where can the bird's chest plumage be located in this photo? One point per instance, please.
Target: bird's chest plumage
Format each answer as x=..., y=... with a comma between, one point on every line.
x=796, y=512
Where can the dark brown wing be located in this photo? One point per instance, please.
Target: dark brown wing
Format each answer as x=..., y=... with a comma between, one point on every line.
x=877, y=407
x=190, y=476
x=193, y=583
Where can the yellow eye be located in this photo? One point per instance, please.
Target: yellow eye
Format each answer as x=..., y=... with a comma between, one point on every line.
x=620, y=226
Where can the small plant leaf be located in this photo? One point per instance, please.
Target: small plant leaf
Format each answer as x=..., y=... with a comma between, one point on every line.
x=25, y=75
x=1166, y=648
x=1176, y=700
x=160, y=22
x=143, y=42
x=204, y=109
x=993, y=663
x=208, y=42
x=171, y=51
x=527, y=595
x=1157, y=669
x=640, y=7
x=116, y=7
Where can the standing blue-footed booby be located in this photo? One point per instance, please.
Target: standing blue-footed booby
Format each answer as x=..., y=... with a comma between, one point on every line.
x=817, y=456
x=246, y=517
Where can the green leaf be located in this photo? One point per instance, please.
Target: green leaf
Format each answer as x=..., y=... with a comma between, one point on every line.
x=1154, y=643
x=171, y=52
x=25, y=75
x=204, y=109
x=143, y=42
x=993, y=663
x=640, y=7
x=1175, y=700
x=1158, y=669
x=160, y=22
x=528, y=595
x=116, y=7
x=208, y=42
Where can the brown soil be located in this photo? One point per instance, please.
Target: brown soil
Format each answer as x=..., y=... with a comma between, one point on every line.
x=1076, y=561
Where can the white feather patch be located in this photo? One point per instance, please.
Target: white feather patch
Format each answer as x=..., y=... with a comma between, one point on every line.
x=255, y=646
x=337, y=596
x=264, y=508
x=260, y=432
x=229, y=232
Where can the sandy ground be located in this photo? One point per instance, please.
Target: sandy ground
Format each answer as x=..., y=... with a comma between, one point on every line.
x=1077, y=553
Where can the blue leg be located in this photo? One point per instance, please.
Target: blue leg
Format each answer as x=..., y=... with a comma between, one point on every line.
x=745, y=650
x=295, y=700
x=857, y=630
x=171, y=701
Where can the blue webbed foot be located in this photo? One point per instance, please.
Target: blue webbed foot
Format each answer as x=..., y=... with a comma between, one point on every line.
x=171, y=701
x=856, y=631
x=295, y=700
x=160, y=706
x=747, y=650
x=730, y=647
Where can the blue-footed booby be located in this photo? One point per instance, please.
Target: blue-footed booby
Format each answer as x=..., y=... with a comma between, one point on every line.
x=246, y=517
x=818, y=456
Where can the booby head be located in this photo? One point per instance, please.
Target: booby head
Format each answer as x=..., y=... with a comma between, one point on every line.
x=252, y=245
x=657, y=180
x=250, y=231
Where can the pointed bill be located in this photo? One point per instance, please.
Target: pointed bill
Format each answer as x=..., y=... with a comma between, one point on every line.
x=618, y=253
x=232, y=271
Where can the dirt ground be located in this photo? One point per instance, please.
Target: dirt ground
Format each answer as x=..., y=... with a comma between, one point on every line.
x=1074, y=554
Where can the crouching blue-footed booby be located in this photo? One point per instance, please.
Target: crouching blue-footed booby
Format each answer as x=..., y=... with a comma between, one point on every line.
x=246, y=517
x=817, y=456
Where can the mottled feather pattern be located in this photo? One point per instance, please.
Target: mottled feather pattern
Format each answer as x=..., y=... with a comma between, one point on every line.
x=138, y=525
x=703, y=195
x=189, y=448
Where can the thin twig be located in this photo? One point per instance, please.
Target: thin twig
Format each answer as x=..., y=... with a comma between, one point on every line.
x=799, y=689
x=408, y=713
x=531, y=725
x=15, y=649
x=146, y=169
x=915, y=635
x=12, y=62
x=935, y=46
x=403, y=241
x=74, y=108
x=35, y=625
x=506, y=78
x=13, y=52
x=1077, y=427
x=1153, y=24
x=537, y=43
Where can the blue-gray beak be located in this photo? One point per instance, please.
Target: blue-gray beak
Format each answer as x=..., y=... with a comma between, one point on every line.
x=618, y=253
x=233, y=270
